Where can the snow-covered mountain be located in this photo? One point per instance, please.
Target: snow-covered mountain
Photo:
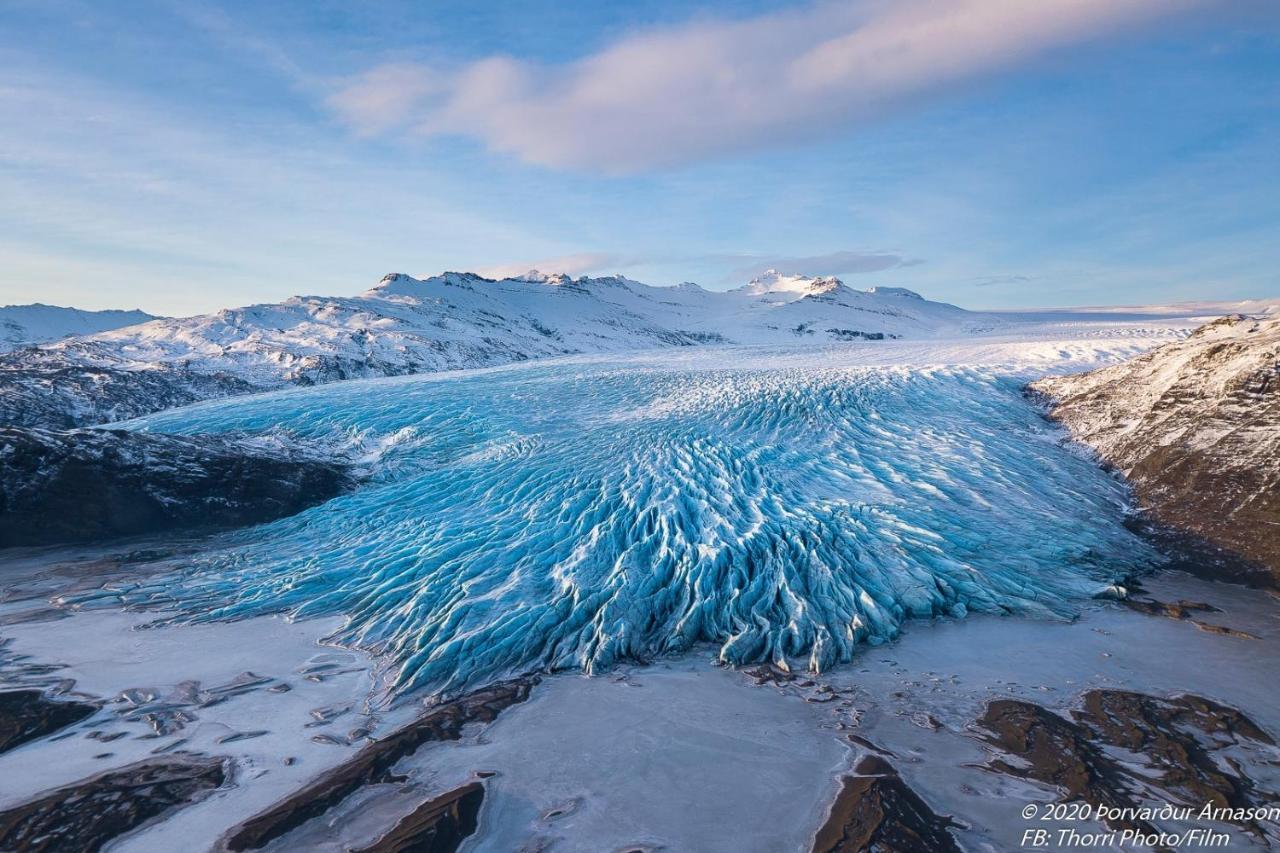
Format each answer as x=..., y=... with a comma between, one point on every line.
x=1195, y=427
x=32, y=324
x=455, y=320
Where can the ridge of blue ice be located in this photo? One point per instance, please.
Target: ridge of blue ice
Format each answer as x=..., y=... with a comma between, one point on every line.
x=573, y=515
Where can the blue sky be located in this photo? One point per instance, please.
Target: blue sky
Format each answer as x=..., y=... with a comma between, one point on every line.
x=183, y=157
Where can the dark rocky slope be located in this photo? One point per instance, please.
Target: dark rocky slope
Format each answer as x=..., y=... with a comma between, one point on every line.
x=88, y=815
x=27, y=715
x=86, y=485
x=1122, y=751
x=1195, y=427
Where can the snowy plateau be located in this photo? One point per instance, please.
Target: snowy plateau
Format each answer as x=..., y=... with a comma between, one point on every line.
x=747, y=552
x=23, y=325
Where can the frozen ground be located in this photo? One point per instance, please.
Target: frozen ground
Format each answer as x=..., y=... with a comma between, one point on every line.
x=144, y=674
x=681, y=755
x=685, y=506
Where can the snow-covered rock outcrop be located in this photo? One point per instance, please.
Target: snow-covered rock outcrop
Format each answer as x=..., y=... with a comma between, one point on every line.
x=456, y=320
x=1195, y=427
x=21, y=325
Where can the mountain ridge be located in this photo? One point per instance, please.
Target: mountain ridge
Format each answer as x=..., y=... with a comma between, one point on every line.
x=449, y=321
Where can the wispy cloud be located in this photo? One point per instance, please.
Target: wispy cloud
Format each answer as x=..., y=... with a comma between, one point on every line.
x=997, y=280
x=385, y=97
x=579, y=263
x=669, y=96
x=216, y=24
x=847, y=262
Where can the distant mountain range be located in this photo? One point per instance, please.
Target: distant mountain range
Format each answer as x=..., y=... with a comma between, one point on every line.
x=455, y=320
x=21, y=325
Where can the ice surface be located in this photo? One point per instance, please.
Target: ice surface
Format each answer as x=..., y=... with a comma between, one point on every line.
x=575, y=514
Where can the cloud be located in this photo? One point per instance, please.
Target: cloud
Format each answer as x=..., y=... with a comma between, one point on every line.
x=668, y=96
x=993, y=280
x=381, y=98
x=579, y=263
x=221, y=27
x=846, y=262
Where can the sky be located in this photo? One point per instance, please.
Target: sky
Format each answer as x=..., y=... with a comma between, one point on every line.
x=184, y=157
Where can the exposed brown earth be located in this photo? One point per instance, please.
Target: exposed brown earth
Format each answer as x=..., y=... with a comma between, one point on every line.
x=1183, y=610
x=1057, y=752
x=877, y=811
x=437, y=826
x=1178, y=741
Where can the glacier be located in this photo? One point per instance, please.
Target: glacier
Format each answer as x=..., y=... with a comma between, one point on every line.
x=575, y=513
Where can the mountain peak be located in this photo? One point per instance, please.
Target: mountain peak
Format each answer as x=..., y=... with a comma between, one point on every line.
x=396, y=284
x=539, y=277
x=399, y=284
x=797, y=286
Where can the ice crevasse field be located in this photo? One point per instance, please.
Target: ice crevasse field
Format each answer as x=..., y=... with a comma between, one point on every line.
x=579, y=512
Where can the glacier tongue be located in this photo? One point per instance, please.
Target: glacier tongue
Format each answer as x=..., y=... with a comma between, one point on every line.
x=574, y=514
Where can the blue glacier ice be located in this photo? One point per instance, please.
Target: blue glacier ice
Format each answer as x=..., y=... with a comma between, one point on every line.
x=577, y=513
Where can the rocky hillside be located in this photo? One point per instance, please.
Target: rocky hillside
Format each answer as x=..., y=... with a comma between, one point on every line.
x=455, y=320
x=85, y=485
x=1195, y=427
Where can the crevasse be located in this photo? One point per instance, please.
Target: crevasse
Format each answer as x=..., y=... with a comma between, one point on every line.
x=574, y=514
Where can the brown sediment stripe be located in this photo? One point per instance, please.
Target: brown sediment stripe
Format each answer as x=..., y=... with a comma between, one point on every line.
x=436, y=826
x=876, y=810
x=88, y=814
x=373, y=764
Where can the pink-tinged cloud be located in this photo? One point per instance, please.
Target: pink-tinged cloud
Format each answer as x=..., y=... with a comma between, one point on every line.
x=669, y=96
x=576, y=264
